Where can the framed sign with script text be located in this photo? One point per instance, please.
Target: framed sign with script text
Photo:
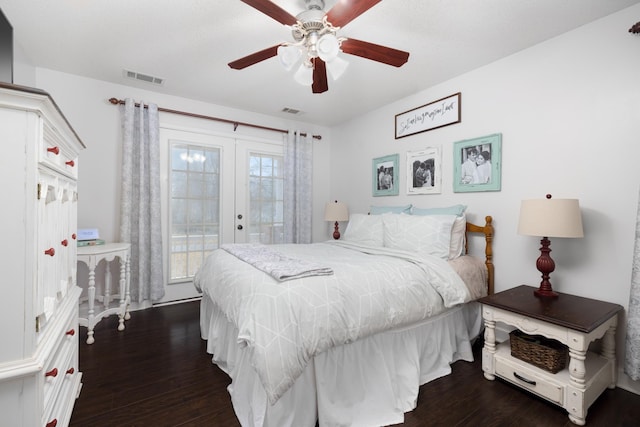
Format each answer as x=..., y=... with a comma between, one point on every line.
x=436, y=114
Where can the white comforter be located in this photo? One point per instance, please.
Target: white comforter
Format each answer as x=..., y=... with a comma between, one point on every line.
x=285, y=324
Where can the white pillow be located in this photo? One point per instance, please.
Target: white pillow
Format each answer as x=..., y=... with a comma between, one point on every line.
x=429, y=234
x=458, y=235
x=365, y=229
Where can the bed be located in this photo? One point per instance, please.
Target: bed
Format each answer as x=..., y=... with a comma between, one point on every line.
x=345, y=332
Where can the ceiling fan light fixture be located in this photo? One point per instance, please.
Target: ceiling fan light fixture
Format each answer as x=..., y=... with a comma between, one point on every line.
x=336, y=67
x=304, y=75
x=328, y=47
x=288, y=55
x=319, y=48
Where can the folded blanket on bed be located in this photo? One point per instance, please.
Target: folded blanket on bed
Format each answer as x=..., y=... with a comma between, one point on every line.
x=279, y=266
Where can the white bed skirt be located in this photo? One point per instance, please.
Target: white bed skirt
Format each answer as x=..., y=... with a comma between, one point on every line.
x=370, y=382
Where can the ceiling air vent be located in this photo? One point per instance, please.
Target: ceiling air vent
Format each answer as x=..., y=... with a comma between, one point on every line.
x=291, y=110
x=144, y=77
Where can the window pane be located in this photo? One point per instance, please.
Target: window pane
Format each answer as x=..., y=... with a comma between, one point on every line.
x=195, y=207
x=267, y=166
x=266, y=186
x=179, y=157
x=179, y=184
x=254, y=166
x=196, y=185
x=266, y=194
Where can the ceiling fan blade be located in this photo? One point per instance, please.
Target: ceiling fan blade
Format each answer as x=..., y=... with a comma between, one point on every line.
x=254, y=58
x=271, y=9
x=319, y=76
x=375, y=52
x=346, y=11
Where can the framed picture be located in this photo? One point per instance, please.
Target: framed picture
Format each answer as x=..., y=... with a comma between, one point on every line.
x=434, y=115
x=423, y=171
x=477, y=164
x=385, y=175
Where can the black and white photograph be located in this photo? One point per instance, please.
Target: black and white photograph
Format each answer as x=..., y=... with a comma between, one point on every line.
x=385, y=176
x=423, y=171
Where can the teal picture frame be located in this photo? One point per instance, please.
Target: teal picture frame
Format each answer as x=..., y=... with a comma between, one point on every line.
x=486, y=174
x=385, y=172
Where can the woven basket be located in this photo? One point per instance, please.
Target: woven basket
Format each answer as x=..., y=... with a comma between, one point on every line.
x=545, y=353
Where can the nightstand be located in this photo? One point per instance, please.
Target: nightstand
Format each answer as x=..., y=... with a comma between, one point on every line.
x=572, y=320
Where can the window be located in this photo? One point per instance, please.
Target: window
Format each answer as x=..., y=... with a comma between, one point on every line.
x=216, y=190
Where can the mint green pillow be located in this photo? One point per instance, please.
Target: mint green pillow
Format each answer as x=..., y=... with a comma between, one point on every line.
x=456, y=210
x=379, y=210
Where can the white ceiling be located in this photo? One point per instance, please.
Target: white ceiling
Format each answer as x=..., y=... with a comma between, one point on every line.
x=189, y=43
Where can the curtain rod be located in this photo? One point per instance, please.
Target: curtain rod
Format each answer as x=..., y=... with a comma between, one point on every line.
x=116, y=101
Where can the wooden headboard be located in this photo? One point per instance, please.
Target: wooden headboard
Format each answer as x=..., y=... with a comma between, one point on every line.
x=487, y=230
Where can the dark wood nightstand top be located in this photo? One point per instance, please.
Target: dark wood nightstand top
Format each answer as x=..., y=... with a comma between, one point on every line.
x=571, y=311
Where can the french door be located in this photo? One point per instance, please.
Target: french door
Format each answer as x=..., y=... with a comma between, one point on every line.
x=216, y=190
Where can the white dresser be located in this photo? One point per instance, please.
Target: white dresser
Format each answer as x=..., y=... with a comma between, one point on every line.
x=39, y=376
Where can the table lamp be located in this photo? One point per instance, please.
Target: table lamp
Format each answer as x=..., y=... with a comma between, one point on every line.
x=336, y=211
x=549, y=218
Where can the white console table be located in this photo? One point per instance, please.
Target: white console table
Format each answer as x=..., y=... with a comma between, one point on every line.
x=91, y=257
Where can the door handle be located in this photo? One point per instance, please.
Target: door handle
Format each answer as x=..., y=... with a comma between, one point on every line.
x=240, y=227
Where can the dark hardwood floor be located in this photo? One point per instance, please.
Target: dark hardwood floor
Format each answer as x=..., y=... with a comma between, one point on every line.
x=157, y=373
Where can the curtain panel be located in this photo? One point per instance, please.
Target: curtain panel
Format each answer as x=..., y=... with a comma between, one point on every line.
x=632, y=356
x=298, y=183
x=140, y=199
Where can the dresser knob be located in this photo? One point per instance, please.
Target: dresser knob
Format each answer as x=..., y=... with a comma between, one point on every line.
x=70, y=163
x=50, y=252
x=54, y=150
x=70, y=371
x=52, y=423
x=65, y=242
x=71, y=332
x=52, y=373
x=73, y=236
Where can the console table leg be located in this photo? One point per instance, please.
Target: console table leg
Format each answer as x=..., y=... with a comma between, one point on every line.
x=127, y=276
x=91, y=293
x=107, y=285
x=123, y=306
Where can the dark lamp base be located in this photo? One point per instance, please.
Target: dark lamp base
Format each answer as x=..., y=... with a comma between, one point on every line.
x=545, y=266
x=336, y=232
x=544, y=293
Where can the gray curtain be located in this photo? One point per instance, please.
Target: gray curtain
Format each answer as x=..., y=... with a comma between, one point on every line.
x=298, y=182
x=632, y=357
x=140, y=200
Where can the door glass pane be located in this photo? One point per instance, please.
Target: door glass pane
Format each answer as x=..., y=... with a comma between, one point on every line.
x=266, y=199
x=195, y=207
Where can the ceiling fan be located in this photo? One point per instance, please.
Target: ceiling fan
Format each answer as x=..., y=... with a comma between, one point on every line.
x=316, y=45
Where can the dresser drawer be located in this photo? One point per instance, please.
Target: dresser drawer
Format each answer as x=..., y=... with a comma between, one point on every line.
x=529, y=378
x=56, y=153
x=62, y=366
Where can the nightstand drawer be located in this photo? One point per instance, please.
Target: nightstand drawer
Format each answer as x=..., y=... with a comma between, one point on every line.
x=524, y=377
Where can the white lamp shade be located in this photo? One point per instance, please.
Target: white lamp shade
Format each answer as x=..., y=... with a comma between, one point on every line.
x=550, y=218
x=304, y=75
x=288, y=56
x=336, y=67
x=328, y=47
x=336, y=211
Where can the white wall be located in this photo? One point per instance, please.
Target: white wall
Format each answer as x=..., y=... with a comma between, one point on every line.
x=569, y=116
